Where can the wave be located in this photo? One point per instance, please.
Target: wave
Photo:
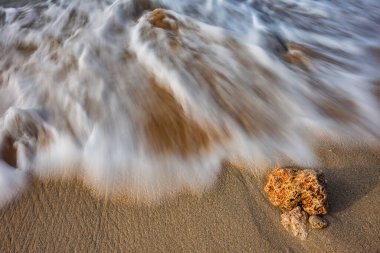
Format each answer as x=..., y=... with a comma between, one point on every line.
x=146, y=98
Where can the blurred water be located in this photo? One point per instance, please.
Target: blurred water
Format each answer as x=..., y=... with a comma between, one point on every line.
x=146, y=103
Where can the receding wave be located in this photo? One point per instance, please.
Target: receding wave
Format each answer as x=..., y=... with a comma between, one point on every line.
x=145, y=98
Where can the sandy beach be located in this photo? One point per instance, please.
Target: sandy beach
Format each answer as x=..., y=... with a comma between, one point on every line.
x=148, y=98
x=234, y=216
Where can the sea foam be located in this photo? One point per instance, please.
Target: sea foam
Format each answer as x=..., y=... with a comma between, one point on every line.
x=146, y=98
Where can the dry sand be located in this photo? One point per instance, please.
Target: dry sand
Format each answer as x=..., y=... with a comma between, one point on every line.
x=234, y=216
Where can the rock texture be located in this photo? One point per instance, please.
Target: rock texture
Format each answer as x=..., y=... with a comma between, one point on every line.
x=317, y=222
x=300, y=193
x=288, y=188
x=295, y=221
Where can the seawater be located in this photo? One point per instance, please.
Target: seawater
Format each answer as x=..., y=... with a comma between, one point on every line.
x=146, y=98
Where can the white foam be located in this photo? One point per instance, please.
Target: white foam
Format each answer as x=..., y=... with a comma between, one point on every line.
x=74, y=78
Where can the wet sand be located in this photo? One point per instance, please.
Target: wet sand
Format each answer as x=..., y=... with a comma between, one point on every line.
x=234, y=216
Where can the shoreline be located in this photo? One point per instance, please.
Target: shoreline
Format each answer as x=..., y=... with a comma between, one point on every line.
x=233, y=216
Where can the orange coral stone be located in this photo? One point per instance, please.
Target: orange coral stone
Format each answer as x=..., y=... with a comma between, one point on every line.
x=289, y=187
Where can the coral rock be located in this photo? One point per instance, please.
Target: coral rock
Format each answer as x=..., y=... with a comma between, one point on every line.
x=295, y=221
x=317, y=222
x=288, y=188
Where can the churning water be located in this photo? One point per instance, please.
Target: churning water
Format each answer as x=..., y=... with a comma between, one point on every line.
x=145, y=98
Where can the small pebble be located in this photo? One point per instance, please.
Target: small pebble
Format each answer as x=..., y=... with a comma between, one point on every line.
x=317, y=222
